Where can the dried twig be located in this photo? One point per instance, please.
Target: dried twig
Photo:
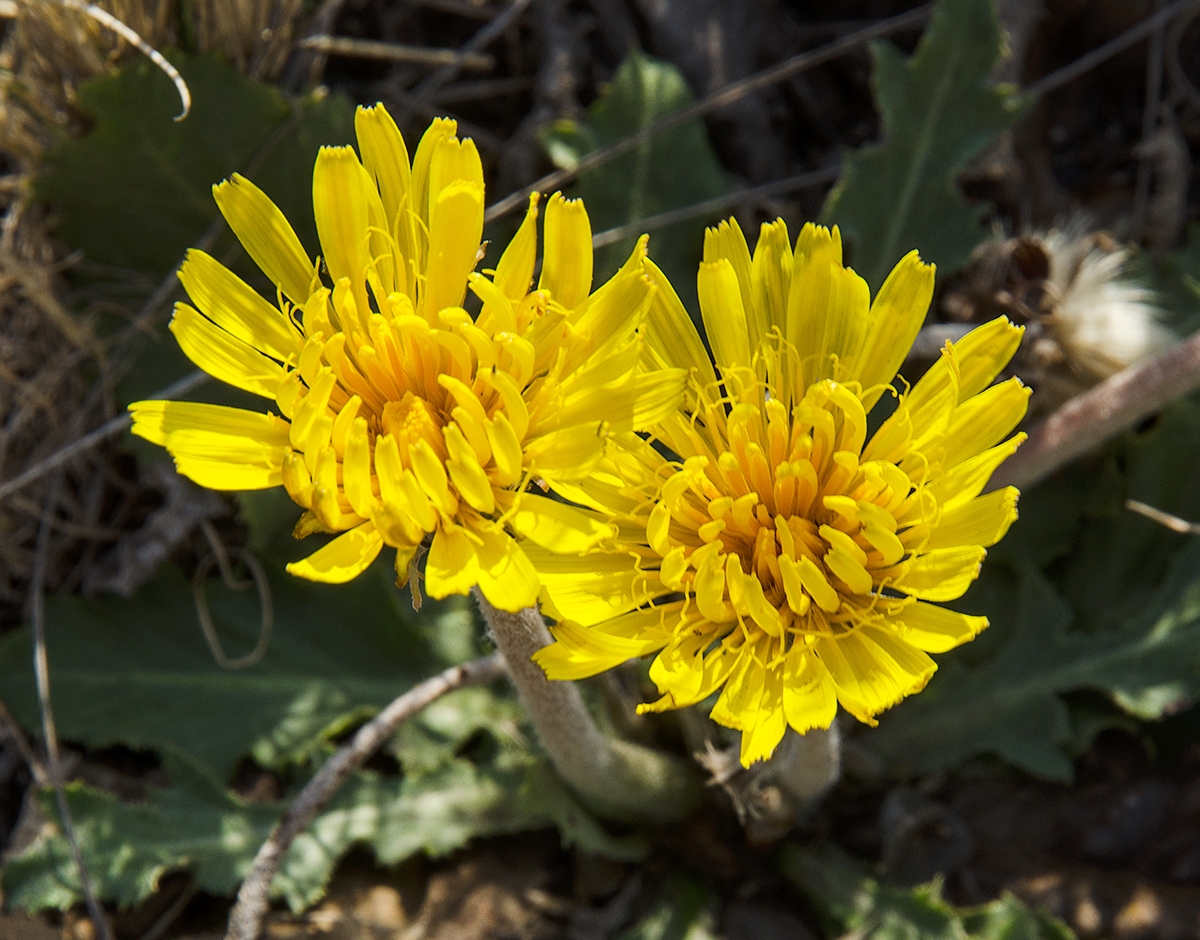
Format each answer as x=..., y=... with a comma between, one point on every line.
x=717, y=99
x=1131, y=36
x=245, y=921
x=1102, y=413
x=352, y=47
x=108, y=429
x=41, y=673
x=481, y=40
x=1172, y=522
x=708, y=206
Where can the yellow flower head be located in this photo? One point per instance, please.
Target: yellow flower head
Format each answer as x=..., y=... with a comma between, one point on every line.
x=399, y=415
x=783, y=551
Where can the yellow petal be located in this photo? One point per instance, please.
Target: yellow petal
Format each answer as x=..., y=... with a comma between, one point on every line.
x=570, y=452
x=809, y=696
x=771, y=274
x=465, y=473
x=507, y=456
x=266, y=235
x=385, y=158
x=579, y=652
x=724, y=315
x=507, y=578
x=985, y=351
x=935, y=629
x=557, y=526
x=897, y=314
x=223, y=356
x=454, y=161
x=455, y=229
x=981, y=521
x=439, y=130
x=984, y=420
x=610, y=315
x=229, y=301
x=592, y=588
x=219, y=447
x=726, y=240
x=828, y=306
x=514, y=271
x=343, y=559
x=452, y=566
x=965, y=481
x=943, y=574
x=340, y=207
x=670, y=332
x=567, y=254
x=868, y=677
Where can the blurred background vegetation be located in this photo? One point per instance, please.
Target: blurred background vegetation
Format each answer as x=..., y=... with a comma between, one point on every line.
x=1047, y=781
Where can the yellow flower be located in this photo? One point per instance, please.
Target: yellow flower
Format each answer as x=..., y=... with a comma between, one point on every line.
x=783, y=551
x=399, y=415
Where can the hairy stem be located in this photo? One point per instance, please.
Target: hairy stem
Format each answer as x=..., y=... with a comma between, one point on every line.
x=618, y=779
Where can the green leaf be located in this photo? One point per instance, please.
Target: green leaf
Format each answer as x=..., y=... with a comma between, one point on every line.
x=137, y=672
x=673, y=169
x=1094, y=597
x=683, y=910
x=856, y=902
x=860, y=905
x=127, y=848
x=196, y=826
x=1120, y=557
x=938, y=109
x=136, y=191
x=1011, y=707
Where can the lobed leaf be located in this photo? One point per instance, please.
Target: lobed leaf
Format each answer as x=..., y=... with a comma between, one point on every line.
x=938, y=109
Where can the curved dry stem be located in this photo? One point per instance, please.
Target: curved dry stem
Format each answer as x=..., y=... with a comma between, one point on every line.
x=245, y=921
x=1098, y=415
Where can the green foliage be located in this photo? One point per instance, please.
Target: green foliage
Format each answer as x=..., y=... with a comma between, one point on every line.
x=938, y=109
x=673, y=169
x=858, y=904
x=137, y=672
x=684, y=910
x=195, y=825
x=135, y=192
x=1117, y=611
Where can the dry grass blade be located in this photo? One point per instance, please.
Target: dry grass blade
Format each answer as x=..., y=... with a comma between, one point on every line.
x=396, y=52
x=41, y=672
x=695, y=210
x=130, y=35
x=1174, y=523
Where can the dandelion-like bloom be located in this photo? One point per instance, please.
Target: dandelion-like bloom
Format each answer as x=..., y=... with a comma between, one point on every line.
x=399, y=415
x=782, y=551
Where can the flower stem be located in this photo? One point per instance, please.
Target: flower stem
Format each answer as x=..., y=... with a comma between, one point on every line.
x=806, y=766
x=617, y=779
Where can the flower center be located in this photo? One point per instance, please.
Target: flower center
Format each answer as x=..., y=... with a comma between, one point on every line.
x=413, y=419
x=793, y=527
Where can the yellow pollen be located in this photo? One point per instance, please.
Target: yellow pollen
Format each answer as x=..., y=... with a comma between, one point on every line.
x=413, y=419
